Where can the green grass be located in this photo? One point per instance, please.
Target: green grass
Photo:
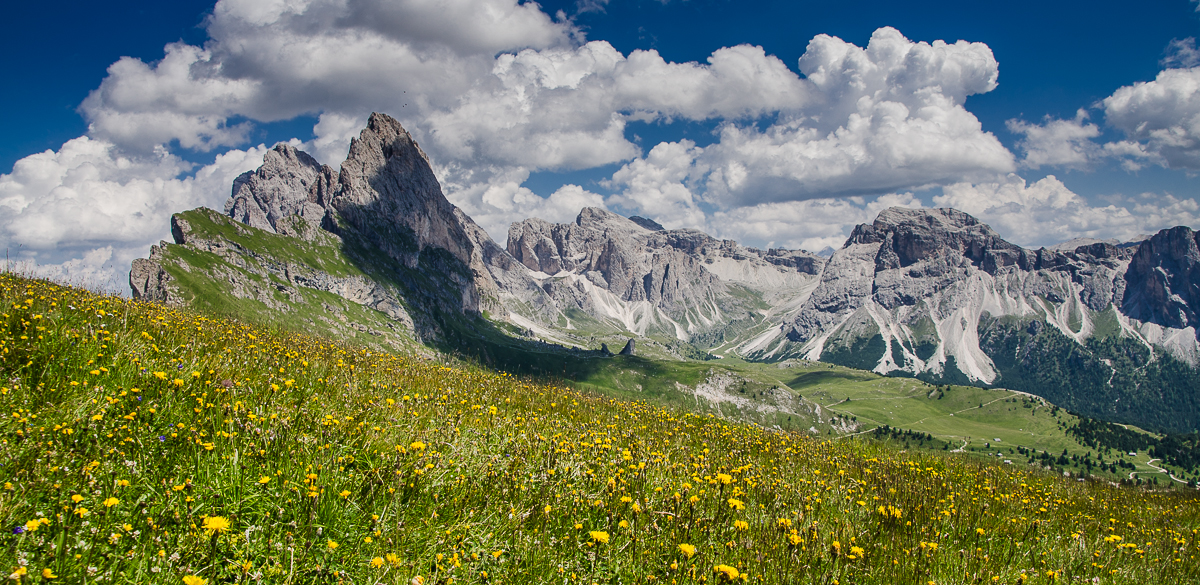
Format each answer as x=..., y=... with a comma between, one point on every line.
x=136, y=433
x=322, y=253
x=960, y=417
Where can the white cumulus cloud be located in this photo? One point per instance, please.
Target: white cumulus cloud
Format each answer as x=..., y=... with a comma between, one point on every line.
x=655, y=186
x=274, y=60
x=1046, y=212
x=1065, y=143
x=60, y=207
x=494, y=197
x=863, y=121
x=1161, y=115
x=813, y=224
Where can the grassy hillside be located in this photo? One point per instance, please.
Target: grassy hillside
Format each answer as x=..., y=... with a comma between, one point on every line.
x=234, y=270
x=150, y=445
x=835, y=402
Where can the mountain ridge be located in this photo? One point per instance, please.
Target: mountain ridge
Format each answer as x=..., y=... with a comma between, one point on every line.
x=921, y=292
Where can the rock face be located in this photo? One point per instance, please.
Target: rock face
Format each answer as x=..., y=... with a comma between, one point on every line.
x=922, y=283
x=1163, y=281
x=628, y=349
x=634, y=272
x=626, y=259
x=148, y=281
x=289, y=182
x=387, y=191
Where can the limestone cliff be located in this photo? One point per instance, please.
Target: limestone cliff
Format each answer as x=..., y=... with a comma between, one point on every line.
x=677, y=282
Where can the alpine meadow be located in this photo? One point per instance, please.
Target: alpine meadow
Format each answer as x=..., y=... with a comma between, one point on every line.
x=149, y=444
x=600, y=292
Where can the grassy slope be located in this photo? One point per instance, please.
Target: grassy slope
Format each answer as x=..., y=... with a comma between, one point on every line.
x=657, y=373
x=203, y=277
x=133, y=427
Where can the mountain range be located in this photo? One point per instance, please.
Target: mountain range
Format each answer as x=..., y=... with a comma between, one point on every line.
x=374, y=248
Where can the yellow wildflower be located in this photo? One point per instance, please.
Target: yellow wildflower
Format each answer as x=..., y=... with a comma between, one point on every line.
x=725, y=573
x=216, y=524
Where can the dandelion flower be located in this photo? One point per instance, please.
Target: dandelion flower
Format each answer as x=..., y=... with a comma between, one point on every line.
x=216, y=524
x=725, y=573
x=264, y=480
x=599, y=536
x=194, y=580
x=331, y=544
x=76, y=498
x=377, y=562
x=48, y=574
x=110, y=502
x=687, y=550
x=344, y=493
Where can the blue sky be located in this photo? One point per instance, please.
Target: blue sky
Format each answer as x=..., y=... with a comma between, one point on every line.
x=539, y=110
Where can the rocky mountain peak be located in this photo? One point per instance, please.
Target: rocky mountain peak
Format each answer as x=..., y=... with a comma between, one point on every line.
x=289, y=182
x=1163, y=280
x=601, y=219
x=647, y=223
x=388, y=192
x=909, y=236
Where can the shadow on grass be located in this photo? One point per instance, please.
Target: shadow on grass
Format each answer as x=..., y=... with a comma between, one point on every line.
x=809, y=379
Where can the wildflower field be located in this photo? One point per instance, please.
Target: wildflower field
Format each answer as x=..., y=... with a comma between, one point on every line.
x=143, y=444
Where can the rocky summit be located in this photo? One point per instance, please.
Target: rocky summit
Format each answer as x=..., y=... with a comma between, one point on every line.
x=375, y=249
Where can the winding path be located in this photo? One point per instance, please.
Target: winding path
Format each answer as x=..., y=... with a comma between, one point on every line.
x=1158, y=469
